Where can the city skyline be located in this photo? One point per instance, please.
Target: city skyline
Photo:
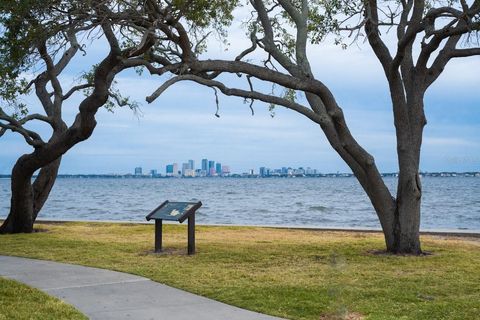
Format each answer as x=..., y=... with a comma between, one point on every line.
x=208, y=168
x=260, y=171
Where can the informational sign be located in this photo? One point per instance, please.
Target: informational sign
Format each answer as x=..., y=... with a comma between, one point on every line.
x=174, y=211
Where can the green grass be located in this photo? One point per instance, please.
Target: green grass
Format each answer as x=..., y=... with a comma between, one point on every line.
x=295, y=274
x=18, y=301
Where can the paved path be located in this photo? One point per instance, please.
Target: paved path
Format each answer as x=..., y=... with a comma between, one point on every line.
x=104, y=294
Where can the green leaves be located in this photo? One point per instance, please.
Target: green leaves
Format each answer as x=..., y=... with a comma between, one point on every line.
x=204, y=13
x=324, y=15
x=22, y=25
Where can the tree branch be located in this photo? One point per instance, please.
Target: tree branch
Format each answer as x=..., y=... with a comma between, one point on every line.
x=238, y=93
x=373, y=36
x=68, y=54
x=460, y=53
x=32, y=138
x=268, y=41
x=405, y=43
x=51, y=72
x=75, y=89
x=36, y=116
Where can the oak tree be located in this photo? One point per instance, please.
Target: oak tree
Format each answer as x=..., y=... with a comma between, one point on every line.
x=39, y=41
x=412, y=40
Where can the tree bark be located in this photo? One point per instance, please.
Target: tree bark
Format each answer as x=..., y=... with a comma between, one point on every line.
x=20, y=218
x=407, y=216
x=363, y=166
x=409, y=120
x=43, y=184
x=28, y=199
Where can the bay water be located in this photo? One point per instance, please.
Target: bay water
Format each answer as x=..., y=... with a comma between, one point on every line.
x=451, y=203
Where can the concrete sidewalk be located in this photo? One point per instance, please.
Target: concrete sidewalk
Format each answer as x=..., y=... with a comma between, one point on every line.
x=104, y=294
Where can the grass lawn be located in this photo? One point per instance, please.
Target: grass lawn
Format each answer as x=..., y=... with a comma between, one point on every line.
x=297, y=274
x=18, y=301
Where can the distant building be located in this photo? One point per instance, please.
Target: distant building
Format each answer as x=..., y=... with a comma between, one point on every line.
x=185, y=166
x=189, y=173
x=138, y=171
x=299, y=172
x=225, y=170
x=262, y=172
x=205, y=165
x=169, y=170
x=276, y=172
x=191, y=165
x=153, y=173
x=218, y=168
x=211, y=166
x=212, y=172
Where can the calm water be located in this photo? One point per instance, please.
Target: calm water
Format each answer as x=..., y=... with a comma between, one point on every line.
x=449, y=203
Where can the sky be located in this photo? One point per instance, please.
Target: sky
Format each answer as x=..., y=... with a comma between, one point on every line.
x=181, y=124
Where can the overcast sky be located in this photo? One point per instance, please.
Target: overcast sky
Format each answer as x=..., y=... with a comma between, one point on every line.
x=181, y=124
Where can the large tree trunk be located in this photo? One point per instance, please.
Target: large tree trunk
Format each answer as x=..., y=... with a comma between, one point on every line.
x=407, y=215
x=20, y=218
x=363, y=166
x=409, y=123
x=43, y=184
x=28, y=199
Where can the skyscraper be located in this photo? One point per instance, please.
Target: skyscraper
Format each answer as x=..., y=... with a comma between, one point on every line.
x=211, y=168
x=191, y=165
x=218, y=168
x=262, y=172
x=175, y=169
x=185, y=167
x=138, y=171
x=169, y=170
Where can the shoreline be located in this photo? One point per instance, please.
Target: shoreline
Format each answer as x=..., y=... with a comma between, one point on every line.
x=436, y=232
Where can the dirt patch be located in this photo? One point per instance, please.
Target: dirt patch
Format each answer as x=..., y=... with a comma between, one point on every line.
x=348, y=316
x=167, y=252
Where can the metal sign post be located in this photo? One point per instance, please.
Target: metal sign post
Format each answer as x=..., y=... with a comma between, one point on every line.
x=191, y=234
x=158, y=235
x=175, y=211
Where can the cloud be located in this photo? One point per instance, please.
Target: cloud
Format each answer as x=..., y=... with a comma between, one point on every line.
x=449, y=142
